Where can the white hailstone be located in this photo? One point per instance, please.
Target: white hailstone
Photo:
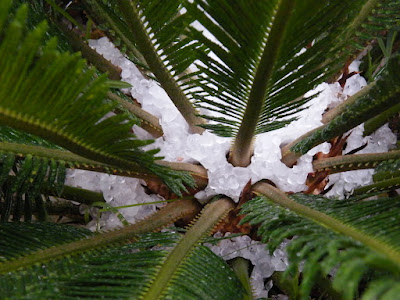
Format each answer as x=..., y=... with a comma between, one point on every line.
x=264, y=263
x=381, y=141
x=117, y=191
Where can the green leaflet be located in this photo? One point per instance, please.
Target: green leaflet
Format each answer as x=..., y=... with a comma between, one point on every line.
x=10, y=135
x=36, y=13
x=75, y=119
x=386, y=177
x=176, y=262
x=323, y=249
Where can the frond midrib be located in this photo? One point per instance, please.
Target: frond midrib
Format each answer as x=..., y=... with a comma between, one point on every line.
x=325, y=220
x=167, y=215
x=72, y=160
x=59, y=137
x=156, y=65
x=361, y=17
x=241, y=150
x=205, y=223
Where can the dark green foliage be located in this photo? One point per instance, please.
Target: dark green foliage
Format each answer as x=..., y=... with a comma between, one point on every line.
x=22, y=178
x=108, y=18
x=384, y=17
x=75, y=119
x=323, y=250
x=10, y=135
x=37, y=11
x=20, y=190
x=24, y=238
x=115, y=272
x=230, y=78
x=384, y=93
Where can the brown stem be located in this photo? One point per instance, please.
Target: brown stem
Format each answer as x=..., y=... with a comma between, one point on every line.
x=96, y=59
x=353, y=162
x=149, y=122
x=199, y=173
x=289, y=158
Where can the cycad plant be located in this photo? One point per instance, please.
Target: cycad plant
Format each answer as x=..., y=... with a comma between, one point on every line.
x=235, y=69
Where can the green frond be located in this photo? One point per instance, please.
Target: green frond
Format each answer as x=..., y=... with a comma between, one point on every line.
x=382, y=94
x=35, y=236
x=11, y=135
x=37, y=11
x=347, y=242
x=54, y=96
x=259, y=68
x=113, y=271
x=175, y=263
x=380, y=119
x=386, y=164
x=386, y=178
x=342, y=163
x=157, y=30
x=240, y=46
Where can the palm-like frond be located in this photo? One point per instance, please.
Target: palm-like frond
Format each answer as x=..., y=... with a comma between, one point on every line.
x=155, y=266
x=11, y=135
x=243, y=31
x=386, y=164
x=267, y=54
x=333, y=234
x=55, y=96
x=122, y=272
x=387, y=169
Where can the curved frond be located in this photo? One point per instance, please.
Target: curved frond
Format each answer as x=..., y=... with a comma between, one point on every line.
x=121, y=272
x=387, y=169
x=131, y=271
x=54, y=96
x=265, y=55
x=330, y=234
